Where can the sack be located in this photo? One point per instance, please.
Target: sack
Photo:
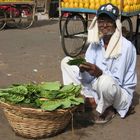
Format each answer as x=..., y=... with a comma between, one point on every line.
x=93, y=34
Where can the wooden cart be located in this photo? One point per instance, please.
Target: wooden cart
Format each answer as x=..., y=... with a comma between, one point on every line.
x=19, y=13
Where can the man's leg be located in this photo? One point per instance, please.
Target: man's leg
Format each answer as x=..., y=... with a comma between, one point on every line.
x=70, y=74
x=109, y=93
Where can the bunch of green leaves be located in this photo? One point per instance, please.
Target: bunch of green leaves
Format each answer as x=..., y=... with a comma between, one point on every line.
x=76, y=61
x=63, y=92
x=54, y=95
x=68, y=102
x=14, y=94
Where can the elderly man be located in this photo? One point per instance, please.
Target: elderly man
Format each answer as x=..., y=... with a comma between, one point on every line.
x=109, y=74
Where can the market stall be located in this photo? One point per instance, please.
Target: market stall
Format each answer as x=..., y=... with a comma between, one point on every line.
x=75, y=18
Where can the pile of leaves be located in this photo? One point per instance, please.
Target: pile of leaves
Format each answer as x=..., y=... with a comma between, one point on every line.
x=47, y=96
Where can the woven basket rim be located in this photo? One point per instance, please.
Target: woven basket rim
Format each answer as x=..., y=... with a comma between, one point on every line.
x=29, y=110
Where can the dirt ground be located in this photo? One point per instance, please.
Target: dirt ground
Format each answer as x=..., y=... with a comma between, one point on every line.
x=35, y=55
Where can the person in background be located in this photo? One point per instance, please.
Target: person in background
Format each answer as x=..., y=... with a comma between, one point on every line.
x=108, y=76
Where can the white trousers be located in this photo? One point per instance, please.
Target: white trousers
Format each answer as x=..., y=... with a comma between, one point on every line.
x=105, y=90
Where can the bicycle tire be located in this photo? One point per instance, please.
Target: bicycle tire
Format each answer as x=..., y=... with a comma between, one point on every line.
x=74, y=29
x=2, y=19
x=26, y=20
x=127, y=29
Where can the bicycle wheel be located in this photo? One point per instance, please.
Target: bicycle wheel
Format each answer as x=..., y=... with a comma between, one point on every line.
x=26, y=17
x=2, y=19
x=73, y=37
x=127, y=28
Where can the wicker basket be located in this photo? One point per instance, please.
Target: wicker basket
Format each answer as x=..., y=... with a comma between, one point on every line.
x=36, y=123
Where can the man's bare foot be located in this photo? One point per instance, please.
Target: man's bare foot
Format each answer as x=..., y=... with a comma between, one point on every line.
x=105, y=117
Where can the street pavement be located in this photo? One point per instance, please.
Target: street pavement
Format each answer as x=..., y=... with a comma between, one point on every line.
x=34, y=55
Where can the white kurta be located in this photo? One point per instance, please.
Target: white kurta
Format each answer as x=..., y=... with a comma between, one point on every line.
x=119, y=77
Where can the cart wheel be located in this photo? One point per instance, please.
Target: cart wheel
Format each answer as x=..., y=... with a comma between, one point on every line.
x=62, y=20
x=127, y=28
x=26, y=20
x=74, y=37
x=137, y=35
x=2, y=19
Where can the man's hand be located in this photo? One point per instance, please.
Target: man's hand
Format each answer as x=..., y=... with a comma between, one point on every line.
x=92, y=69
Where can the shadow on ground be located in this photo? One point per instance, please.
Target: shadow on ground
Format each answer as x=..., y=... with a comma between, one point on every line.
x=136, y=99
x=36, y=24
x=44, y=23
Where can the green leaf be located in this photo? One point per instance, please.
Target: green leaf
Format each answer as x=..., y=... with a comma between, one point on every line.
x=49, y=94
x=45, y=93
x=51, y=85
x=15, y=98
x=39, y=102
x=67, y=88
x=27, y=101
x=22, y=90
x=77, y=90
x=76, y=61
x=33, y=88
x=51, y=105
x=76, y=100
x=61, y=95
x=2, y=99
x=66, y=103
x=4, y=94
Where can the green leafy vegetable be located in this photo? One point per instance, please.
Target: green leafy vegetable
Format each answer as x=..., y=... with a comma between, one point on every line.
x=76, y=61
x=52, y=94
x=67, y=88
x=66, y=103
x=47, y=96
x=50, y=105
x=39, y=102
x=16, y=90
x=51, y=85
x=33, y=88
x=15, y=98
x=4, y=94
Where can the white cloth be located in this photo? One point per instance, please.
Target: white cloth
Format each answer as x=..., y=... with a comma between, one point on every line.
x=93, y=33
x=121, y=70
x=110, y=93
x=70, y=74
x=115, y=43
